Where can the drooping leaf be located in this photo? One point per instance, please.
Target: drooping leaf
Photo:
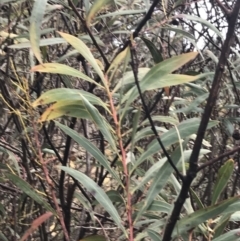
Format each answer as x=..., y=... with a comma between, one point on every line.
x=180, y=31
x=85, y=52
x=35, y=24
x=98, y=193
x=100, y=122
x=202, y=21
x=27, y=189
x=91, y=148
x=56, y=68
x=157, y=57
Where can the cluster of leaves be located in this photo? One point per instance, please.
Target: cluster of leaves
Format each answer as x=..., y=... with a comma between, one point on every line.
x=117, y=120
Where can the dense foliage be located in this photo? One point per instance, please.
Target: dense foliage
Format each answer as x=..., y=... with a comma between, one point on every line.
x=119, y=120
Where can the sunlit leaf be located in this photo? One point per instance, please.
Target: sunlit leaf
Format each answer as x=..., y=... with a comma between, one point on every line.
x=96, y=7
x=65, y=94
x=160, y=81
x=119, y=58
x=42, y=42
x=65, y=108
x=56, y=68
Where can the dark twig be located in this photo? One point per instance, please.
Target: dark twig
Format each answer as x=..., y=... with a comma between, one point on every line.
x=71, y=4
x=134, y=65
x=193, y=162
x=218, y=158
x=135, y=34
x=223, y=8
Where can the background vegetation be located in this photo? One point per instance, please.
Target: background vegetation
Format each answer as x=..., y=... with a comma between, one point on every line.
x=119, y=120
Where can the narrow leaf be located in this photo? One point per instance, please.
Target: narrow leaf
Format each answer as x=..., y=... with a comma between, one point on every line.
x=221, y=225
x=119, y=58
x=224, y=174
x=154, y=235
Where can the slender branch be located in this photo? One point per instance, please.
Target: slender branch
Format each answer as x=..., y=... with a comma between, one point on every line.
x=218, y=158
x=140, y=25
x=135, y=73
x=193, y=167
x=49, y=182
x=124, y=163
